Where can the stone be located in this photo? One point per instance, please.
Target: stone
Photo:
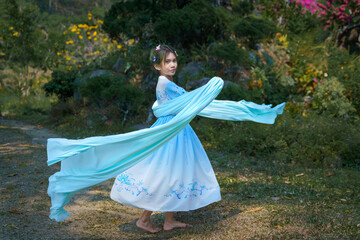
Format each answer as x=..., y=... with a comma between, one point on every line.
x=150, y=81
x=192, y=68
x=235, y=73
x=196, y=83
x=118, y=65
x=98, y=73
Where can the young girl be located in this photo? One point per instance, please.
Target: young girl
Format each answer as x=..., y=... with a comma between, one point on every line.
x=176, y=177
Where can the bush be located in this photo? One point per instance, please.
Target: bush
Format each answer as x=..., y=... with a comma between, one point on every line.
x=230, y=53
x=264, y=87
x=346, y=68
x=311, y=141
x=329, y=96
x=253, y=29
x=197, y=23
x=61, y=84
x=104, y=90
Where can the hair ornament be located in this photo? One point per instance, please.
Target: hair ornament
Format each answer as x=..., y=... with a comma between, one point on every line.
x=154, y=59
x=157, y=48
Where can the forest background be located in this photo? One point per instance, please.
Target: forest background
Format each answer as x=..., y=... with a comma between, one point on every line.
x=85, y=69
x=82, y=68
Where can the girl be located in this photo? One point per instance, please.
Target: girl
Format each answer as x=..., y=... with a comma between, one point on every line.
x=167, y=168
x=176, y=177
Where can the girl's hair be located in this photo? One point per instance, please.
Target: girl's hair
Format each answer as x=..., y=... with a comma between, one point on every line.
x=158, y=54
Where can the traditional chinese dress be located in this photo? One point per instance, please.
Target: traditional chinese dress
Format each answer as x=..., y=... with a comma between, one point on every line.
x=176, y=177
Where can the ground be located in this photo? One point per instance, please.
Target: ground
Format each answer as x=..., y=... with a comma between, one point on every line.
x=260, y=201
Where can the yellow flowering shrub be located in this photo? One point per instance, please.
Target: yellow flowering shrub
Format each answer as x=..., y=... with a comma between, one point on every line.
x=87, y=44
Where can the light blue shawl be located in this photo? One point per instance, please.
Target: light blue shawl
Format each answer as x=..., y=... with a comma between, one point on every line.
x=87, y=162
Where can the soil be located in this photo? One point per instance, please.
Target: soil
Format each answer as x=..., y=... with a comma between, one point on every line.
x=24, y=203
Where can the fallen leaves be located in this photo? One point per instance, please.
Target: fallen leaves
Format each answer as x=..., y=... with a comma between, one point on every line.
x=278, y=226
x=15, y=212
x=255, y=209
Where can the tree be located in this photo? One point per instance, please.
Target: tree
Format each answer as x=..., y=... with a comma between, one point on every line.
x=24, y=46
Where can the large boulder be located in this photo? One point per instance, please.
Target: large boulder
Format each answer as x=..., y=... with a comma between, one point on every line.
x=196, y=83
x=118, y=65
x=192, y=68
x=235, y=74
x=150, y=81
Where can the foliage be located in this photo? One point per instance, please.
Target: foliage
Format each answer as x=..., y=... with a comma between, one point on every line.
x=197, y=23
x=338, y=12
x=346, y=68
x=329, y=96
x=61, y=84
x=230, y=53
x=86, y=45
x=253, y=29
x=312, y=141
x=264, y=87
x=289, y=15
x=128, y=18
x=242, y=7
x=23, y=45
x=112, y=90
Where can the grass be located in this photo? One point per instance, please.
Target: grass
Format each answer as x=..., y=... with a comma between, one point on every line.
x=261, y=200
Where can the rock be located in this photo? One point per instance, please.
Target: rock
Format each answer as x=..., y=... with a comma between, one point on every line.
x=150, y=81
x=215, y=65
x=192, y=68
x=197, y=83
x=235, y=73
x=97, y=73
x=141, y=126
x=90, y=123
x=118, y=65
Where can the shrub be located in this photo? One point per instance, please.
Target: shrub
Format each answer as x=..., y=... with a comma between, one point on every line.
x=230, y=53
x=107, y=90
x=346, y=68
x=197, y=23
x=311, y=141
x=61, y=84
x=253, y=29
x=329, y=96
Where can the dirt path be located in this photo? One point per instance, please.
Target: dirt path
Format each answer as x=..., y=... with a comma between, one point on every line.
x=24, y=203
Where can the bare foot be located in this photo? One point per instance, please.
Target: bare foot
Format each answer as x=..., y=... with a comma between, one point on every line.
x=175, y=224
x=147, y=226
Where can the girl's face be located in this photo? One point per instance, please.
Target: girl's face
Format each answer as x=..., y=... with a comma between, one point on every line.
x=168, y=66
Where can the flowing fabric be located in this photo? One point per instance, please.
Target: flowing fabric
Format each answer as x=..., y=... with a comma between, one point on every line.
x=87, y=162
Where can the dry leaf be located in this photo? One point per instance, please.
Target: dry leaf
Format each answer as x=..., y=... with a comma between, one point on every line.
x=15, y=212
x=330, y=174
x=299, y=175
x=278, y=226
x=12, y=226
x=287, y=182
x=255, y=210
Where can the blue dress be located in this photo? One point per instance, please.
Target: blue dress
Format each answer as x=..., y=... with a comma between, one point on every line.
x=176, y=177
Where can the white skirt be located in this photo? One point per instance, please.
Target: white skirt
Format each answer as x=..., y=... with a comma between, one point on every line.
x=176, y=177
